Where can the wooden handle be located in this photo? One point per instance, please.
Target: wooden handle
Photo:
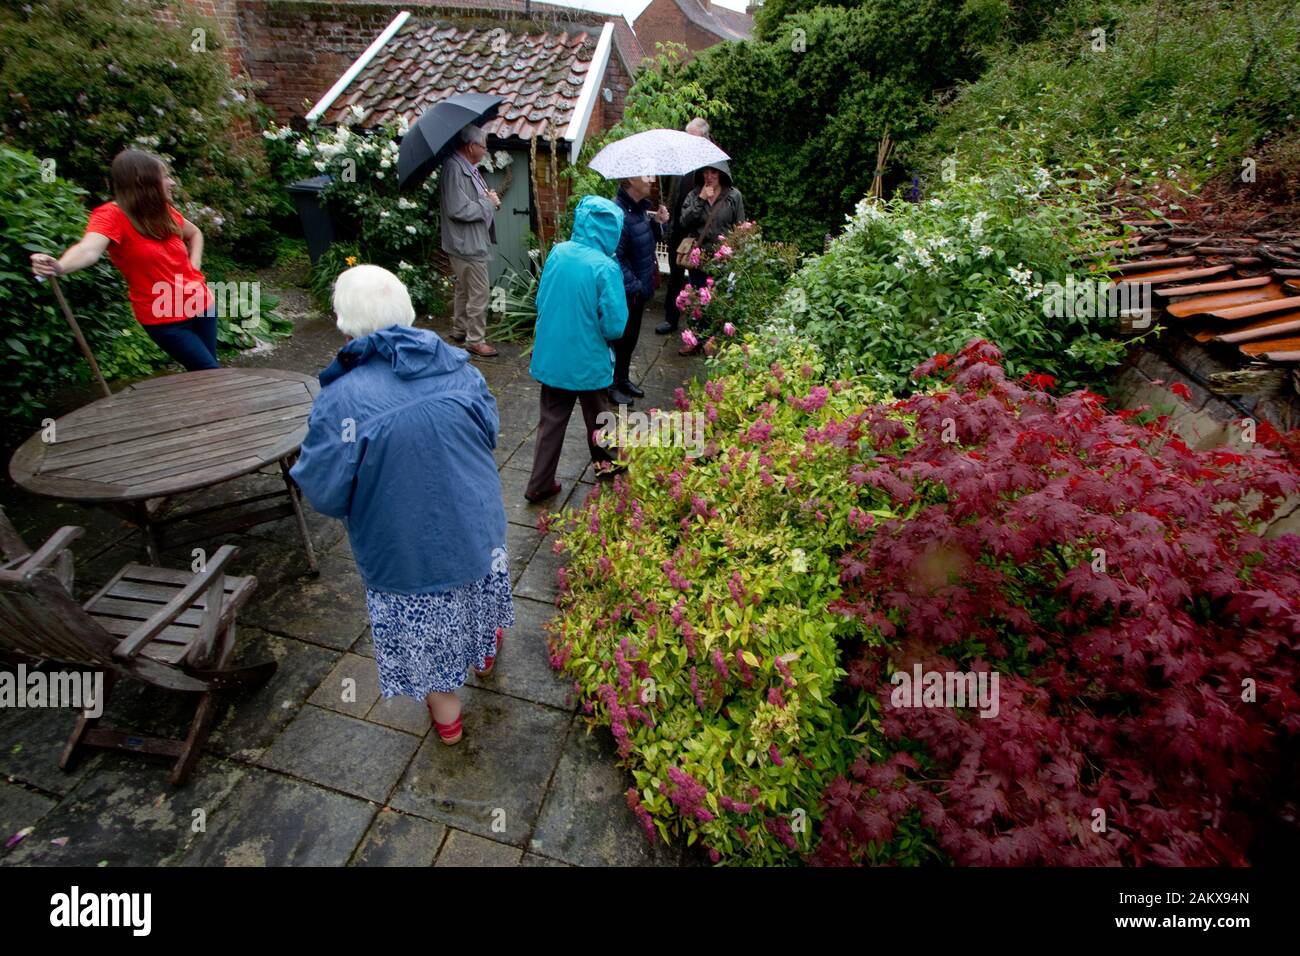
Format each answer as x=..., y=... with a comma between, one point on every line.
x=81, y=339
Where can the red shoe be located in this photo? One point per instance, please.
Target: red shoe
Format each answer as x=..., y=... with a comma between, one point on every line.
x=491, y=660
x=450, y=733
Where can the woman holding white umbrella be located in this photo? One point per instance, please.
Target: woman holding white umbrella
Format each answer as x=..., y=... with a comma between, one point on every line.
x=639, y=158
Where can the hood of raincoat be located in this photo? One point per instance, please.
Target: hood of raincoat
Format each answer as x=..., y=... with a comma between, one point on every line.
x=724, y=171
x=597, y=223
x=412, y=353
x=581, y=304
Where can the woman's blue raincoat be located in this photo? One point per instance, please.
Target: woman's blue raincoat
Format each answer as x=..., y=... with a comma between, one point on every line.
x=399, y=445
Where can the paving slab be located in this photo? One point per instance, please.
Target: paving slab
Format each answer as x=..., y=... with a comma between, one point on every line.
x=466, y=849
x=273, y=820
x=585, y=819
x=401, y=713
x=31, y=744
x=329, y=610
x=519, y=510
x=497, y=774
x=20, y=808
x=523, y=669
x=127, y=814
x=352, y=687
x=539, y=582
x=533, y=859
x=521, y=545
x=342, y=753
x=398, y=839
x=250, y=720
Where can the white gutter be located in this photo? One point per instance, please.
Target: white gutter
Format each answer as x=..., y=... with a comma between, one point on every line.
x=335, y=91
x=577, y=128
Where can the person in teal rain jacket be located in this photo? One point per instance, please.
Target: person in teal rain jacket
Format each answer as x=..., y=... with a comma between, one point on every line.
x=581, y=310
x=399, y=446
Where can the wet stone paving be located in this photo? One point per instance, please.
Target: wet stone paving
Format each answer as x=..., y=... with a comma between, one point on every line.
x=298, y=772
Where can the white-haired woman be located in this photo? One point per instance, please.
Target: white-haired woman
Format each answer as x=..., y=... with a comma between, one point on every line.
x=399, y=446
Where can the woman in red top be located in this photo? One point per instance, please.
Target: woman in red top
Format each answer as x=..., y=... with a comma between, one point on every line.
x=158, y=252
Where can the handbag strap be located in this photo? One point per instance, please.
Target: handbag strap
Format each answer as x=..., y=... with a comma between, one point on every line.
x=704, y=230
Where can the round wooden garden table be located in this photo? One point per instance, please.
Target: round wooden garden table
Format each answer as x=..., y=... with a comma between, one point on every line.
x=172, y=435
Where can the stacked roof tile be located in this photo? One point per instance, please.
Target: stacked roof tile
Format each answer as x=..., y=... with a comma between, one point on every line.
x=1238, y=293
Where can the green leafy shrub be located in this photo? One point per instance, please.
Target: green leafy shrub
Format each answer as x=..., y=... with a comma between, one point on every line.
x=326, y=269
x=518, y=316
x=84, y=79
x=811, y=101
x=759, y=597
x=1168, y=92
x=905, y=281
x=696, y=617
x=387, y=226
x=1135, y=634
x=39, y=350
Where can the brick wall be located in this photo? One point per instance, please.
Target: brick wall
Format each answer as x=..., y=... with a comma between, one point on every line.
x=296, y=50
x=550, y=198
x=224, y=12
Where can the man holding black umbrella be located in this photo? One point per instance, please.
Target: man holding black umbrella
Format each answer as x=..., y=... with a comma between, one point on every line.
x=468, y=231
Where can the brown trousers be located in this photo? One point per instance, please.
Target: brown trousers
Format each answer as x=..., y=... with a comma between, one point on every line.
x=556, y=408
x=470, y=299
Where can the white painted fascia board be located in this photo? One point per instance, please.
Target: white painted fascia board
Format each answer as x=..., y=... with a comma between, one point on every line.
x=335, y=91
x=577, y=129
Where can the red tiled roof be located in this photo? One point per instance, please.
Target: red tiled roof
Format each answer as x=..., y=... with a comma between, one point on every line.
x=539, y=74
x=625, y=42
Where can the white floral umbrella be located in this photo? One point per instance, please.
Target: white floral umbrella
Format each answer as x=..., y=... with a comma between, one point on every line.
x=656, y=152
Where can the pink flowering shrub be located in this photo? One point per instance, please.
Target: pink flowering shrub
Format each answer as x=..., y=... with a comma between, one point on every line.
x=697, y=614
x=746, y=276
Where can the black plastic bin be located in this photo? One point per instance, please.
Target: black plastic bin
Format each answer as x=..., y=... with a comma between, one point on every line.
x=317, y=224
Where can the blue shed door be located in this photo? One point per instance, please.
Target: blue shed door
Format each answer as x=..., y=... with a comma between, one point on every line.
x=513, y=220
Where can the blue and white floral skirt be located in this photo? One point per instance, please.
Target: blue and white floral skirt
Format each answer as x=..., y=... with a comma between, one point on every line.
x=428, y=642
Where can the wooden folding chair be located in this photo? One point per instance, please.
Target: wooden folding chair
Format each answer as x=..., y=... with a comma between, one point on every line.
x=171, y=629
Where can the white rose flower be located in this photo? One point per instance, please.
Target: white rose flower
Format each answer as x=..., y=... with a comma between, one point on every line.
x=411, y=230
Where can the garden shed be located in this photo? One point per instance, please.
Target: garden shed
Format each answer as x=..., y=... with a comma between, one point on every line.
x=555, y=89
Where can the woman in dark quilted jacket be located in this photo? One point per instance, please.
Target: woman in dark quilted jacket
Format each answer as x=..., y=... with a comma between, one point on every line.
x=642, y=229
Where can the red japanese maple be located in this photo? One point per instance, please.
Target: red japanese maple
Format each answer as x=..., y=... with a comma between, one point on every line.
x=1144, y=634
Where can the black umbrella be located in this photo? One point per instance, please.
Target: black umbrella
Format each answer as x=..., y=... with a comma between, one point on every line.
x=433, y=135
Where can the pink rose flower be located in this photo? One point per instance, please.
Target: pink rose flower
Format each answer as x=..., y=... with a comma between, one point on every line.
x=689, y=339
x=729, y=329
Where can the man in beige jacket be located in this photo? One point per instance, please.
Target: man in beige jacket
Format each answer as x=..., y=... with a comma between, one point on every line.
x=468, y=232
